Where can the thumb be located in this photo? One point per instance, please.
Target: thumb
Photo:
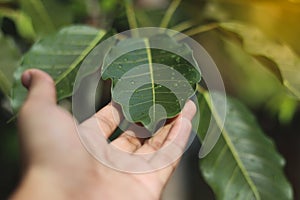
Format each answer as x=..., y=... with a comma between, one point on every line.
x=40, y=86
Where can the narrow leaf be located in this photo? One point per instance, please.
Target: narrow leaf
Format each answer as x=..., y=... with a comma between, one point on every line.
x=278, y=57
x=60, y=55
x=244, y=164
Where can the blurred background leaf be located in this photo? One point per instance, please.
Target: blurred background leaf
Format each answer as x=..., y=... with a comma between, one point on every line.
x=49, y=15
x=22, y=21
x=278, y=19
x=60, y=55
x=9, y=56
x=277, y=57
x=244, y=163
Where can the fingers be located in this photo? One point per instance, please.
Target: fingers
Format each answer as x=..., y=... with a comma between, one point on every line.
x=169, y=132
x=177, y=139
x=170, y=142
x=189, y=110
x=127, y=142
x=40, y=86
x=182, y=124
x=108, y=119
x=176, y=148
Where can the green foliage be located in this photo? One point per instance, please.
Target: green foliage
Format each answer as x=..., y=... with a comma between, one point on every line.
x=48, y=15
x=9, y=56
x=60, y=55
x=150, y=84
x=244, y=163
x=277, y=57
x=108, y=6
x=22, y=21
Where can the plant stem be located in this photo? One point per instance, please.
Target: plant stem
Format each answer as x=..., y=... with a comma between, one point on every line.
x=201, y=29
x=200, y=89
x=169, y=13
x=93, y=10
x=183, y=25
x=131, y=16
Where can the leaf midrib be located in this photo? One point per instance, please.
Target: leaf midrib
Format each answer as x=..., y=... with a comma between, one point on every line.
x=149, y=57
x=233, y=150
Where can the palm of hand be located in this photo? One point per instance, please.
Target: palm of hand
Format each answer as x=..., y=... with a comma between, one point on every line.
x=51, y=145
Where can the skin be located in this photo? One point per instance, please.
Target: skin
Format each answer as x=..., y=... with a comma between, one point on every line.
x=56, y=164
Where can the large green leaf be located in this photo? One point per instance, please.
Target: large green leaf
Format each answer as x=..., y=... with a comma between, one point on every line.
x=244, y=163
x=60, y=55
x=278, y=57
x=9, y=56
x=149, y=83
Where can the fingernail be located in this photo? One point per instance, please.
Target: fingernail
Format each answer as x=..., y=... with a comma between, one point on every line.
x=26, y=79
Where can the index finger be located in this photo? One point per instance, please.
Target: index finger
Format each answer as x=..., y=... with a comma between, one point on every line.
x=108, y=118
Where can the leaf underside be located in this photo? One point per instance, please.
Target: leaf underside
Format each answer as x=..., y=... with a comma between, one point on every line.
x=244, y=163
x=60, y=55
x=151, y=84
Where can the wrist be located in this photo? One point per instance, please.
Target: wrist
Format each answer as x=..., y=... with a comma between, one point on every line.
x=39, y=184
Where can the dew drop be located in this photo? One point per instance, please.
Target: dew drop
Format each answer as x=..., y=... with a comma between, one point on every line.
x=132, y=82
x=178, y=59
x=172, y=77
x=125, y=59
x=173, y=73
x=175, y=84
x=120, y=66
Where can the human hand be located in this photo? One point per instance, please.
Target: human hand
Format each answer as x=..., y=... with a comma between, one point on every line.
x=56, y=164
